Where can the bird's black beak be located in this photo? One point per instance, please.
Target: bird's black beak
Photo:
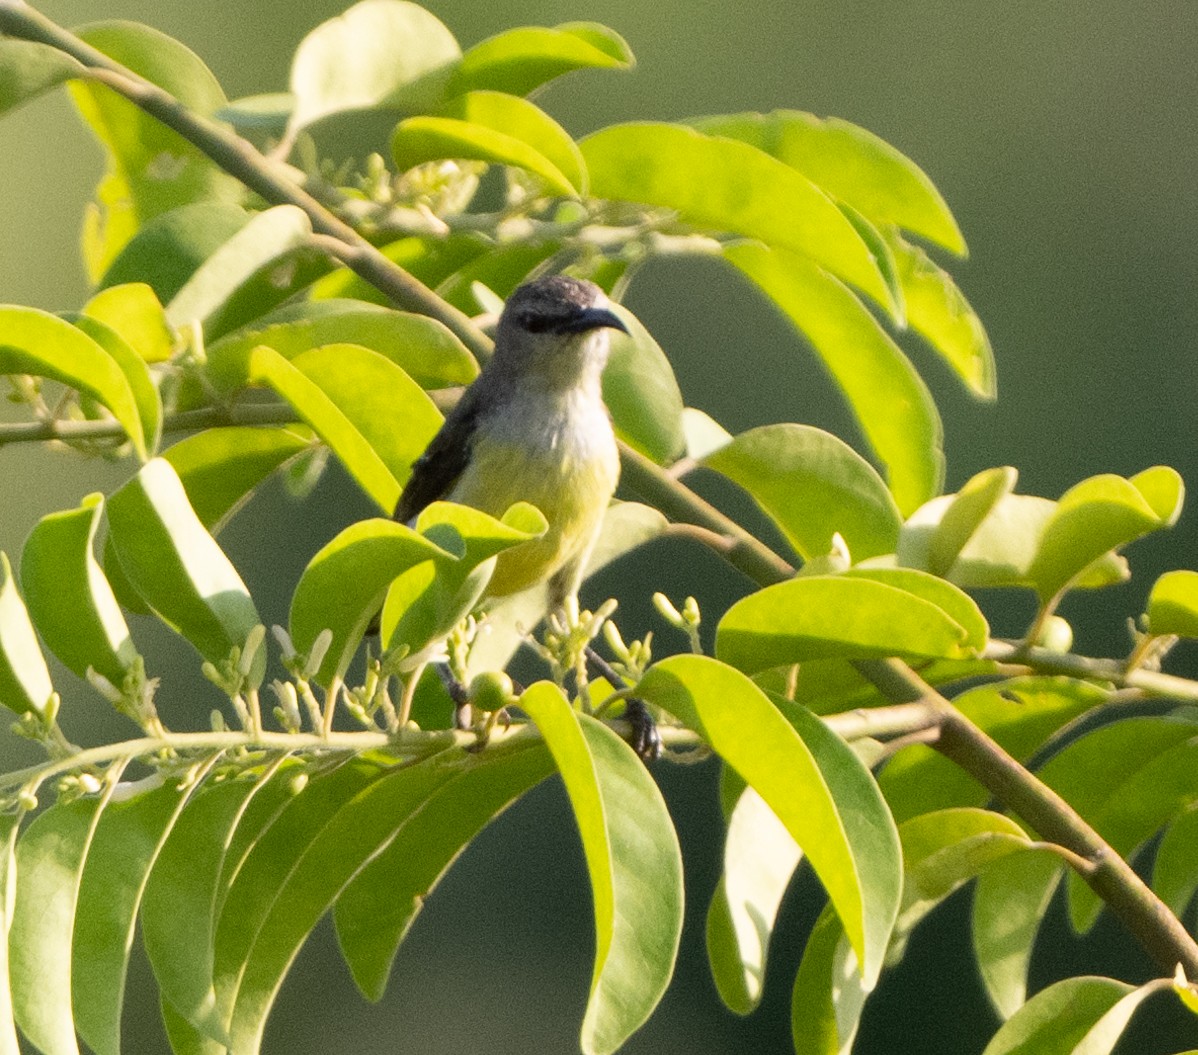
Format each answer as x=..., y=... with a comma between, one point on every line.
x=594, y=319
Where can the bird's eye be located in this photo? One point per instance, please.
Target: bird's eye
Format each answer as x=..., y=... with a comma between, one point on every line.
x=535, y=323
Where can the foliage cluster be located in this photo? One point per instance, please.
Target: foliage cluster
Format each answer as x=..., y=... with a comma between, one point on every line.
x=327, y=292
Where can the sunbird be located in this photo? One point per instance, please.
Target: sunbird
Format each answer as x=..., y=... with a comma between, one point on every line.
x=533, y=427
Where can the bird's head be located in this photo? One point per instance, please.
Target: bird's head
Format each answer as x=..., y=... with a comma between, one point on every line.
x=555, y=329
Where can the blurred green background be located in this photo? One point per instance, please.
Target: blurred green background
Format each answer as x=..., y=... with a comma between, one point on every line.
x=1063, y=135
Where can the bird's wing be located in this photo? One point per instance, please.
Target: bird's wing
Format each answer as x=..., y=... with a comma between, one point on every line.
x=445, y=459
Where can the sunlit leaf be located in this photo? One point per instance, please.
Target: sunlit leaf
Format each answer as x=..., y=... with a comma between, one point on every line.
x=377, y=53
x=221, y=468
x=151, y=169
x=1067, y=1018
x=811, y=780
x=852, y=165
x=891, y=404
x=642, y=393
x=634, y=862
x=9, y=827
x=813, y=486
x=944, y=595
x=519, y=60
x=422, y=347
x=35, y=342
x=828, y=994
x=1173, y=604
x=177, y=567
x=69, y=598
x=826, y=616
x=721, y=185
x=1009, y=904
x=29, y=69
x=969, y=508
x=24, y=679
x=759, y=859
x=344, y=585
x=136, y=314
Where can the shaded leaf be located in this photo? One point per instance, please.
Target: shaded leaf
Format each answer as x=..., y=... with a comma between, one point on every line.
x=642, y=393
x=36, y=342
x=943, y=849
x=519, y=60
x=724, y=186
x=221, y=468
x=852, y=165
x=24, y=679
x=9, y=827
x=828, y=995
x=634, y=862
x=759, y=859
x=1009, y=904
x=422, y=347
x=343, y=586
x=166, y=251
x=377, y=53
x=1175, y=869
x=804, y=776
x=1063, y=1018
x=826, y=616
x=29, y=69
x=377, y=909
x=891, y=404
x=151, y=169
x=812, y=485
x=177, y=567
x=70, y=599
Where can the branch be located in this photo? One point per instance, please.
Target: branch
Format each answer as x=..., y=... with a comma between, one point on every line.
x=1111, y=877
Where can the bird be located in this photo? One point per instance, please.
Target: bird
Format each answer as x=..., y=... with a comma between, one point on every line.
x=533, y=427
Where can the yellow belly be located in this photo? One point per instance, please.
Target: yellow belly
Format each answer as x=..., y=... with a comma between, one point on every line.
x=572, y=489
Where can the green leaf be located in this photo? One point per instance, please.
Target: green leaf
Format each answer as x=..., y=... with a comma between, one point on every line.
x=177, y=567
x=1067, y=1018
x=501, y=270
x=852, y=165
x=28, y=69
x=24, y=680
x=1009, y=904
x=1175, y=870
x=151, y=169
x=828, y=995
x=1019, y=714
x=428, y=600
x=189, y=878
x=70, y=599
x=938, y=311
x=1098, y=515
x=49, y=865
x=498, y=129
x=126, y=843
x=141, y=384
x=812, y=485
x=9, y=827
x=759, y=859
x=944, y=595
x=704, y=435
x=422, y=347
x=343, y=586
x=259, y=266
x=961, y=519
x=1173, y=604
x=811, y=780
x=264, y=114
x=184, y=1038
x=166, y=251
x=634, y=862
x=827, y=616
x=379, y=53
x=221, y=468
x=520, y=60
x=720, y=185
x=943, y=849
x=642, y=393
x=431, y=260
x=136, y=314
x=377, y=909
x=891, y=404
x=35, y=342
